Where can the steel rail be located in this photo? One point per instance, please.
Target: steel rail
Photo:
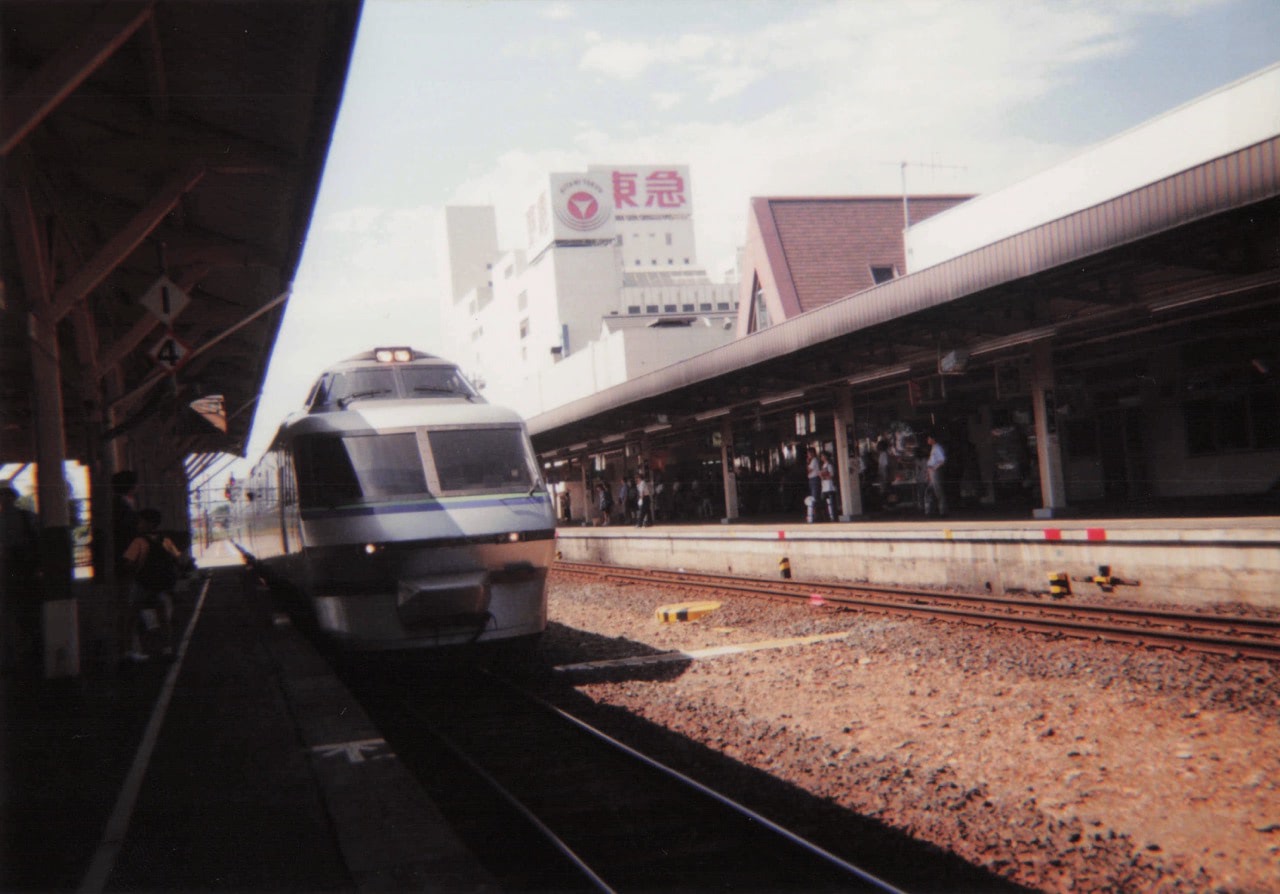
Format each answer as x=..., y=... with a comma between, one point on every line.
x=497, y=720
x=1149, y=628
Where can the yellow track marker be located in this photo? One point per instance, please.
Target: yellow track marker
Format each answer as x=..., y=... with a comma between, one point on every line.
x=685, y=611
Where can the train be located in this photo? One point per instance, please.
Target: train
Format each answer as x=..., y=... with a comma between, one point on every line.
x=402, y=510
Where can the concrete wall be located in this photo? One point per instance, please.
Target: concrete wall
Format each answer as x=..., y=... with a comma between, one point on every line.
x=1215, y=561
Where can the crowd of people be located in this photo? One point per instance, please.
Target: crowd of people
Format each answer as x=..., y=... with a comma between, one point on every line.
x=895, y=472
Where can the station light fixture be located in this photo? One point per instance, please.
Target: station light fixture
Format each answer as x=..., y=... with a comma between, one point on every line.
x=877, y=374
x=781, y=398
x=1012, y=341
x=713, y=414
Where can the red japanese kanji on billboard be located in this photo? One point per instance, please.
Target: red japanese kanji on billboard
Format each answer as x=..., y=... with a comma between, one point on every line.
x=649, y=190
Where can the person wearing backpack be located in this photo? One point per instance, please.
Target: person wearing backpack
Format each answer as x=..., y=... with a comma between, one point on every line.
x=152, y=563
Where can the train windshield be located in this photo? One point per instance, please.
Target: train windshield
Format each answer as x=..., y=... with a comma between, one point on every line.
x=336, y=470
x=481, y=459
x=360, y=384
x=426, y=381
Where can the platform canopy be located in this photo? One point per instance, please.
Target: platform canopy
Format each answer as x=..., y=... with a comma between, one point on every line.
x=161, y=161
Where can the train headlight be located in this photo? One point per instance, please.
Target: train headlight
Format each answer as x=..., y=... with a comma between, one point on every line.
x=513, y=537
x=393, y=355
x=371, y=549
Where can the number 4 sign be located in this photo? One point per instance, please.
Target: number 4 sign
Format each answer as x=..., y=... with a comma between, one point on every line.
x=169, y=352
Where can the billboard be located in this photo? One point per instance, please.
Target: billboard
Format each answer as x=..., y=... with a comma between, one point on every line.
x=647, y=190
x=583, y=206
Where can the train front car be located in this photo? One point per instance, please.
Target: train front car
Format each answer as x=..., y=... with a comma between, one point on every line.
x=421, y=519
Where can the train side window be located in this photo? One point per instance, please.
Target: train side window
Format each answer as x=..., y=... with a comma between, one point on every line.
x=387, y=465
x=319, y=398
x=480, y=459
x=325, y=475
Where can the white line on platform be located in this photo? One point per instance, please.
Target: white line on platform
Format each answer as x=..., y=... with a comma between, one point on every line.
x=104, y=859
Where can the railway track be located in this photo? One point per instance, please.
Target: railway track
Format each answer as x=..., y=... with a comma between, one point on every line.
x=1231, y=635
x=608, y=817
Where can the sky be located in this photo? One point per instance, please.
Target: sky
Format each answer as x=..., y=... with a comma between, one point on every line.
x=467, y=102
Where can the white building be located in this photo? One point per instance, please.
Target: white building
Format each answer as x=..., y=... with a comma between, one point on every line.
x=606, y=287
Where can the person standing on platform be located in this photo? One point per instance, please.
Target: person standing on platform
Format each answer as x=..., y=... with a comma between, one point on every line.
x=827, y=474
x=644, y=502
x=604, y=501
x=937, y=486
x=20, y=596
x=153, y=565
x=813, y=469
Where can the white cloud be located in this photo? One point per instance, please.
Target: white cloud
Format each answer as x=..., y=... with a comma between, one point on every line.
x=666, y=100
x=558, y=11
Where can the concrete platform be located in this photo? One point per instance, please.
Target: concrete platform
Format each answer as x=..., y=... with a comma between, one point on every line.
x=244, y=764
x=1186, y=561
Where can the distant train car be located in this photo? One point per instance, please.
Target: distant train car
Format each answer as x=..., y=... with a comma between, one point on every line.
x=407, y=511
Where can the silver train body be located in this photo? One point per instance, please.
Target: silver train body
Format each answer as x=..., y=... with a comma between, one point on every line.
x=406, y=511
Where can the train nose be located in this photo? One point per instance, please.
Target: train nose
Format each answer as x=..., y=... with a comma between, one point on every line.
x=438, y=598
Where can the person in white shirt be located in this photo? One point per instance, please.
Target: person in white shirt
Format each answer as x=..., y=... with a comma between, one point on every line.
x=937, y=459
x=827, y=473
x=644, y=502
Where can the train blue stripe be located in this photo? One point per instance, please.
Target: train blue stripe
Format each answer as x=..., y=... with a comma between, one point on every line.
x=423, y=506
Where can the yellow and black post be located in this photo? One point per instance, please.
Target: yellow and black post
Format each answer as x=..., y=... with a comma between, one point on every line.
x=784, y=568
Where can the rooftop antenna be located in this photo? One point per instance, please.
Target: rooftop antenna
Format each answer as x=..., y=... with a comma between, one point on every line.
x=902, y=166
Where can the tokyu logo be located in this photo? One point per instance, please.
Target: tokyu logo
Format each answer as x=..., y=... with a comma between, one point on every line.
x=579, y=206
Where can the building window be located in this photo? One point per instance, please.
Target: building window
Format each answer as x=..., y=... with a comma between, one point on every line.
x=686, y=308
x=522, y=301
x=618, y=241
x=524, y=328
x=633, y=308
x=722, y=305
x=668, y=239
x=653, y=262
x=668, y=308
x=882, y=274
x=706, y=305
x=670, y=262
x=686, y=260
x=637, y=262
x=651, y=309
x=762, y=311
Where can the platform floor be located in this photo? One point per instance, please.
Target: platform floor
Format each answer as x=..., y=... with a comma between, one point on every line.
x=244, y=764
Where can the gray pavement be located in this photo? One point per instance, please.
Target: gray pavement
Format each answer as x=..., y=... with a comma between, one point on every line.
x=244, y=764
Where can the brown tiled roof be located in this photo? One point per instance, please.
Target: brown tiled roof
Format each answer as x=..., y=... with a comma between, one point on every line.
x=829, y=245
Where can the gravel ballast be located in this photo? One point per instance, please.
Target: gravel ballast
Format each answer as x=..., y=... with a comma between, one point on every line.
x=1058, y=764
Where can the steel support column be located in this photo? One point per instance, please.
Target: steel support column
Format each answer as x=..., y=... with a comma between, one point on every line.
x=1053, y=492
x=728, y=475
x=849, y=477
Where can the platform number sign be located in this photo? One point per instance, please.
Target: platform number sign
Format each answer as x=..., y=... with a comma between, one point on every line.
x=165, y=299
x=169, y=353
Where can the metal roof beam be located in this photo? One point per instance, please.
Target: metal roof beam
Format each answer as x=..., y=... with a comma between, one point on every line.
x=59, y=77
x=123, y=243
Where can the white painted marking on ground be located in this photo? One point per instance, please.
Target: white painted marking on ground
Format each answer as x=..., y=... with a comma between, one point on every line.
x=104, y=859
x=354, y=751
x=698, y=654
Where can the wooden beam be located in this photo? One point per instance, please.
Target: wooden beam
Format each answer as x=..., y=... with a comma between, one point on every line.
x=119, y=247
x=61, y=75
x=32, y=262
